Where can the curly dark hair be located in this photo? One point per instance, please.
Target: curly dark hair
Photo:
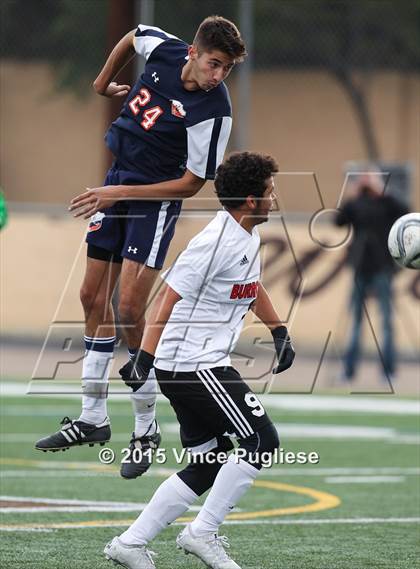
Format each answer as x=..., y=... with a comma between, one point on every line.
x=241, y=175
x=216, y=32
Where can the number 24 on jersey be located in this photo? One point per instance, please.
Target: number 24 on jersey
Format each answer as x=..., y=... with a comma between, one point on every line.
x=149, y=116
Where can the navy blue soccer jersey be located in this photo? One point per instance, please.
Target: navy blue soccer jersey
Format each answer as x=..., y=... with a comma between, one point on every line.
x=163, y=128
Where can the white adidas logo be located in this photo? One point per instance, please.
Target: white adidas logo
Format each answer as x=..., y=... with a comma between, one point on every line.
x=244, y=260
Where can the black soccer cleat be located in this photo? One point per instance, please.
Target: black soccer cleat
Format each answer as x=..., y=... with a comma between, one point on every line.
x=141, y=454
x=75, y=433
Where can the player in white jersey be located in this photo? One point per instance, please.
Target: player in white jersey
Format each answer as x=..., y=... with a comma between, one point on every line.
x=194, y=325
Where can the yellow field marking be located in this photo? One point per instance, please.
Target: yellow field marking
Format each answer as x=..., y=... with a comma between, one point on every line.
x=323, y=501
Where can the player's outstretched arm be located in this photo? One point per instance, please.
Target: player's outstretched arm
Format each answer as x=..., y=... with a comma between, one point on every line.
x=263, y=308
x=137, y=370
x=122, y=53
x=96, y=199
x=159, y=315
x=180, y=188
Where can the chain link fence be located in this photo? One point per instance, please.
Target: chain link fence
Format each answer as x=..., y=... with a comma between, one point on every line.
x=328, y=34
x=329, y=48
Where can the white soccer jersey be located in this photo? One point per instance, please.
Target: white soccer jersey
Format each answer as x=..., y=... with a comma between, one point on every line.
x=217, y=277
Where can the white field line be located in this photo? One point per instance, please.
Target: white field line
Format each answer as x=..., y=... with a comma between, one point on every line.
x=70, y=409
x=329, y=521
x=64, y=509
x=408, y=439
x=45, y=468
x=125, y=523
x=330, y=431
x=58, y=506
x=290, y=431
x=340, y=432
x=64, y=505
x=73, y=502
x=40, y=410
x=80, y=474
x=25, y=473
x=364, y=479
x=352, y=471
x=11, y=438
x=58, y=389
x=386, y=403
x=30, y=530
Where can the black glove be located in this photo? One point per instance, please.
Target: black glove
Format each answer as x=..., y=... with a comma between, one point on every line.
x=136, y=371
x=284, y=348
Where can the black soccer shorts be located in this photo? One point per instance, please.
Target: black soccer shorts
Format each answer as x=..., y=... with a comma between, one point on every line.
x=212, y=403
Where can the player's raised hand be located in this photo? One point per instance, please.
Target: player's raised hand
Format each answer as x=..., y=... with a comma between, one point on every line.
x=284, y=348
x=115, y=90
x=93, y=200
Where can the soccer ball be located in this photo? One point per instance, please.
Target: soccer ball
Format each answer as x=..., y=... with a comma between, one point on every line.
x=404, y=241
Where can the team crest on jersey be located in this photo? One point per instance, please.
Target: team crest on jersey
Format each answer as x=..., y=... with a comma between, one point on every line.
x=177, y=109
x=95, y=222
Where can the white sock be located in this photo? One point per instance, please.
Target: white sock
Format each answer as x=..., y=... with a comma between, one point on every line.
x=144, y=407
x=95, y=378
x=231, y=483
x=171, y=500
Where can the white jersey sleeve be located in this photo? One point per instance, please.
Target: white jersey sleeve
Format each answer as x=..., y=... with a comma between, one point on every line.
x=197, y=264
x=183, y=278
x=148, y=38
x=207, y=143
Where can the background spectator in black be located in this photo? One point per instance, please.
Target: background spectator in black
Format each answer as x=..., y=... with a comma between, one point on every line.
x=371, y=213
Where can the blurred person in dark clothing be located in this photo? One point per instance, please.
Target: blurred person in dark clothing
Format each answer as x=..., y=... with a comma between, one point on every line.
x=371, y=214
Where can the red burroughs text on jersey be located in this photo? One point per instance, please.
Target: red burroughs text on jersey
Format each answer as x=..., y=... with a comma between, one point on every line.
x=249, y=290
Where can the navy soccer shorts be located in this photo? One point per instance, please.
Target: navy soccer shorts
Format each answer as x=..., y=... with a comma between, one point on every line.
x=212, y=403
x=134, y=229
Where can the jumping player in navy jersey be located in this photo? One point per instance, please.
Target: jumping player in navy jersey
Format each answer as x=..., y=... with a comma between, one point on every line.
x=168, y=140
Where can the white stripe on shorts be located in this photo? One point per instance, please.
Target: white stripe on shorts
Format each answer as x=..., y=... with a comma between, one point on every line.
x=234, y=417
x=229, y=398
x=151, y=260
